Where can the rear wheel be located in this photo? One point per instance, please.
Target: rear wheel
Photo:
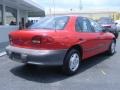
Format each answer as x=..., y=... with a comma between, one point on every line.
x=71, y=62
x=112, y=47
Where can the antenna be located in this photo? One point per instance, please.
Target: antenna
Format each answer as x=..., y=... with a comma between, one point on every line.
x=49, y=10
x=54, y=7
x=80, y=5
x=54, y=13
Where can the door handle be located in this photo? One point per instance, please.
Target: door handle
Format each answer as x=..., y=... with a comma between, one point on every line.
x=81, y=39
x=98, y=37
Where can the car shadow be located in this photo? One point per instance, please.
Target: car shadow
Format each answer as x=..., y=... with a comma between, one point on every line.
x=50, y=74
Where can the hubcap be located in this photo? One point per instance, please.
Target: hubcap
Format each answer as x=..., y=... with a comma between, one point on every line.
x=74, y=62
x=113, y=47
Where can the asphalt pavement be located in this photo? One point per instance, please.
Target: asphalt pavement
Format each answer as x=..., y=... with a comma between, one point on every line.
x=3, y=45
x=100, y=72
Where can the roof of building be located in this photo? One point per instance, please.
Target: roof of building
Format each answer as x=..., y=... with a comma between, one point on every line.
x=83, y=12
x=26, y=5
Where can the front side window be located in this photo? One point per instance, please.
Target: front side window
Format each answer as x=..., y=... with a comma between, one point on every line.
x=96, y=26
x=51, y=22
x=11, y=16
x=1, y=15
x=83, y=25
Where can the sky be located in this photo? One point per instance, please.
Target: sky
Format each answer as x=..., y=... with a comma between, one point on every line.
x=68, y=5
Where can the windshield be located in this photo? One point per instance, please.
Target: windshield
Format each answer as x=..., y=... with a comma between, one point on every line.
x=51, y=22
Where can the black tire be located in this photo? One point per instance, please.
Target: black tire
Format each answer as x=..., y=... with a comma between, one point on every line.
x=112, y=47
x=67, y=65
x=116, y=35
x=28, y=65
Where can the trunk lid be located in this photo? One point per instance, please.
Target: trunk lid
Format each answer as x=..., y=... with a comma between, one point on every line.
x=24, y=38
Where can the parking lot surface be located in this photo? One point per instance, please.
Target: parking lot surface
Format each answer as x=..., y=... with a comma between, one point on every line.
x=100, y=72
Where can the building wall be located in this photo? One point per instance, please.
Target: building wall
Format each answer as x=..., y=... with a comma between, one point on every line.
x=6, y=29
x=96, y=16
x=23, y=14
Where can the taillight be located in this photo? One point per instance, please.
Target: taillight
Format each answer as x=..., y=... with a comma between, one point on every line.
x=36, y=40
x=42, y=40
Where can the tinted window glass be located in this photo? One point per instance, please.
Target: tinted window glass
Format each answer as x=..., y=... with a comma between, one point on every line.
x=83, y=25
x=79, y=24
x=96, y=26
x=86, y=25
x=56, y=22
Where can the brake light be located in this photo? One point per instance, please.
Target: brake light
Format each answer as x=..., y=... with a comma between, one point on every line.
x=36, y=40
x=42, y=40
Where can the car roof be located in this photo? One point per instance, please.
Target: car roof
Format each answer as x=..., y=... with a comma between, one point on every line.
x=70, y=15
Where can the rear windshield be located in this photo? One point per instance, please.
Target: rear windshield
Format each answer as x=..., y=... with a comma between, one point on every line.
x=51, y=22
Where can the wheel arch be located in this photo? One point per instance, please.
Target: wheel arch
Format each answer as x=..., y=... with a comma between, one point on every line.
x=77, y=47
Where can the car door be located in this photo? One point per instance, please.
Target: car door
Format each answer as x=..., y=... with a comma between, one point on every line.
x=102, y=36
x=89, y=40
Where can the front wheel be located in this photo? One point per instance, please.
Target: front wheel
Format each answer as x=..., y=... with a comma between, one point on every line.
x=116, y=35
x=71, y=62
x=112, y=47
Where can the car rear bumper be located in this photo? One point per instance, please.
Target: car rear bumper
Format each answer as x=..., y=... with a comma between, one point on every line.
x=42, y=57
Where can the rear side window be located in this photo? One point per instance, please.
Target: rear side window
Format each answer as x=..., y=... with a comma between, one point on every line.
x=53, y=22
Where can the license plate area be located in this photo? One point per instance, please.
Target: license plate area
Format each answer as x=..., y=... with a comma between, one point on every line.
x=16, y=55
x=19, y=57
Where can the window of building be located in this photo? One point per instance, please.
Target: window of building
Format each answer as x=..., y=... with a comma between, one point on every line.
x=1, y=15
x=11, y=16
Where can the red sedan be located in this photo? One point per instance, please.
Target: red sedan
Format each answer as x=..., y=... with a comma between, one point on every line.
x=60, y=40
